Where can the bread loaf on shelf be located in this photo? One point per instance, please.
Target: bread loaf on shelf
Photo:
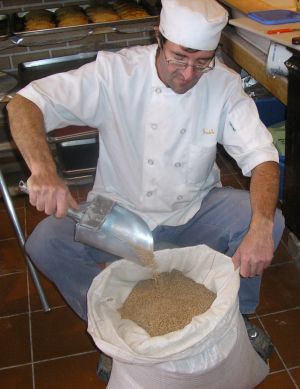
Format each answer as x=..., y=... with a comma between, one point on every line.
x=129, y=10
x=39, y=19
x=70, y=16
x=76, y=15
x=98, y=14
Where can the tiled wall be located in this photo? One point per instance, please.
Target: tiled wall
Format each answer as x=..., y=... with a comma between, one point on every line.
x=70, y=42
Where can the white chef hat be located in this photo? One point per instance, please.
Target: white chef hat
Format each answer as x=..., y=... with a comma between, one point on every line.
x=196, y=24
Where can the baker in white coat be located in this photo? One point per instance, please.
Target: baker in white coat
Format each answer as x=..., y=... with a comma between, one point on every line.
x=161, y=110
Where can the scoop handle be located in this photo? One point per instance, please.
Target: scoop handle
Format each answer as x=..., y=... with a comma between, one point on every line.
x=72, y=213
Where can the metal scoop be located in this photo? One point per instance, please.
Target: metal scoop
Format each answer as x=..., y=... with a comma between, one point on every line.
x=108, y=226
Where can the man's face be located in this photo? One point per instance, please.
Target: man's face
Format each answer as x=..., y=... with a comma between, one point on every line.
x=180, y=80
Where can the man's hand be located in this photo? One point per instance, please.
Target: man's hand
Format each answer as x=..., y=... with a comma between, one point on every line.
x=50, y=194
x=47, y=191
x=255, y=252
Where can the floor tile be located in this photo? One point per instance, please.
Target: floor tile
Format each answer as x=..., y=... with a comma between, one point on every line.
x=6, y=227
x=285, y=236
x=296, y=375
x=11, y=257
x=277, y=381
x=275, y=362
x=284, y=331
x=222, y=165
x=57, y=333
x=225, y=162
x=280, y=288
x=72, y=372
x=16, y=378
x=33, y=217
x=13, y=292
x=53, y=297
x=244, y=181
x=230, y=180
x=83, y=192
x=18, y=202
x=14, y=341
x=281, y=254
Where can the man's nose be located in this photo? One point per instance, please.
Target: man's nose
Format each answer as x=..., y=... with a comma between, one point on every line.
x=189, y=73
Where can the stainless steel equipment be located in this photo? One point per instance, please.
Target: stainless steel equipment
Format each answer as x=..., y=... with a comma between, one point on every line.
x=106, y=225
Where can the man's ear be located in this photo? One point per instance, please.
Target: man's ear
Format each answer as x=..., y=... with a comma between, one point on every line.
x=157, y=36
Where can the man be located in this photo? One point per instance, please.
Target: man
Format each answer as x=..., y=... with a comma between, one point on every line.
x=161, y=110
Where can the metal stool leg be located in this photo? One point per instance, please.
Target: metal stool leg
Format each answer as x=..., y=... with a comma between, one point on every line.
x=20, y=236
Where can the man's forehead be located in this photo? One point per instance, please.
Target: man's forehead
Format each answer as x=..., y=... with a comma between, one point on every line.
x=175, y=47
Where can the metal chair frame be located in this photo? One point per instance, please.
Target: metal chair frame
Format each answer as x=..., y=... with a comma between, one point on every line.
x=13, y=216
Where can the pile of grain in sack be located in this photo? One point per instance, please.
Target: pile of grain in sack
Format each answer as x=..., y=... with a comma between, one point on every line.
x=167, y=302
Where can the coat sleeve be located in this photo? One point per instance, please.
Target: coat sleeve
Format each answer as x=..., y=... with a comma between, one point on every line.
x=243, y=134
x=75, y=97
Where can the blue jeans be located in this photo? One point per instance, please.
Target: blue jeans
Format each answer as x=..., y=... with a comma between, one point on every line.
x=221, y=223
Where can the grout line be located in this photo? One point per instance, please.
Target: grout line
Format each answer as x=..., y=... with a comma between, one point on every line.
x=278, y=353
x=29, y=309
x=277, y=312
x=277, y=371
x=290, y=261
x=13, y=315
x=13, y=273
x=292, y=378
x=30, y=332
x=8, y=239
x=32, y=311
x=294, y=367
x=49, y=359
x=280, y=357
x=66, y=356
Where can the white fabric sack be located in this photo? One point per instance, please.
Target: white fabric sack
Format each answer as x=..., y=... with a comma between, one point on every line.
x=211, y=352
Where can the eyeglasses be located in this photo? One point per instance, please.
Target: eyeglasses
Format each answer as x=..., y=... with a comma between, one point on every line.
x=182, y=65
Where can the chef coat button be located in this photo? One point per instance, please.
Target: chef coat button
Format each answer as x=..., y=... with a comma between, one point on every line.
x=177, y=164
x=179, y=197
x=149, y=194
x=150, y=162
x=183, y=131
x=158, y=90
x=154, y=126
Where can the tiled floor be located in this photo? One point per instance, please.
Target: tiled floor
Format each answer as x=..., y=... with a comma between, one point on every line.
x=52, y=350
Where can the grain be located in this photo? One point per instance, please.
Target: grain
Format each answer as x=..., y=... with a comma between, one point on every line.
x=146, y=258
x=166, y=304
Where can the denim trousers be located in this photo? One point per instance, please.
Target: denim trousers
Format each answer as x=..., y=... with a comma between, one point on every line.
x=221, y=223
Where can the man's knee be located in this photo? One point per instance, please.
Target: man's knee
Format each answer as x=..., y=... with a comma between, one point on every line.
x=40, y=244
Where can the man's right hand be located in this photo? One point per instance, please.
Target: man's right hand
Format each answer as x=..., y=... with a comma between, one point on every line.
x=50, y=194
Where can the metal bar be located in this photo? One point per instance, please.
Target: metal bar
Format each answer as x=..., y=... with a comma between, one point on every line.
x=21, y=239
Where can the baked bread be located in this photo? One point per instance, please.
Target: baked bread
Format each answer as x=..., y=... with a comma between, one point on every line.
x=72, y=20
x=39, y=14
x=33, y=25
x=98, y=14
x=70, y=16
x=129, y=10
x=67, y=11
x=38, y=19
x=133, y=14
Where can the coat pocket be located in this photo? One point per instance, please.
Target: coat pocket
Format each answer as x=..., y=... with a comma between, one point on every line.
x=200, y=162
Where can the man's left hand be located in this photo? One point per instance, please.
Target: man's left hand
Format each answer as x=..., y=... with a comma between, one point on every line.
x=255, y=252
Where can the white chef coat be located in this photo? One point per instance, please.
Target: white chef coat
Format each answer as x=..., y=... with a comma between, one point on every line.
x=157, y=148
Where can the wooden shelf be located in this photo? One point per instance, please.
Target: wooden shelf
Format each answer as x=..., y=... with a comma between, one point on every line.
x=253, y=61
